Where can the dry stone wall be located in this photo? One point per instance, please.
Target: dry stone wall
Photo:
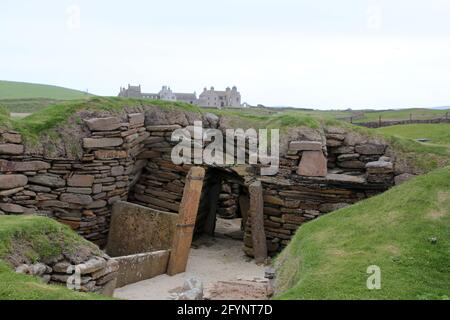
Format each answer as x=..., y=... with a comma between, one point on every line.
x=127, y=157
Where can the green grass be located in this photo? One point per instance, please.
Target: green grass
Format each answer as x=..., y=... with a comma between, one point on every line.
x=22, y=90
x=270, y=119
x=51, y=117
x=43, y=238
x=328, y=258
x=29, y=105
x=403, y=114
x=437, y=133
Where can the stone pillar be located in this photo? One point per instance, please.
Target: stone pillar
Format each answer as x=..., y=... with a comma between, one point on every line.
x=187, y=215
x=256, y=216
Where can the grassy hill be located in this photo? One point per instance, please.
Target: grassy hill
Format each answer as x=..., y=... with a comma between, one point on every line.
x=22, y=90
x=405, y=232
x=20, y=97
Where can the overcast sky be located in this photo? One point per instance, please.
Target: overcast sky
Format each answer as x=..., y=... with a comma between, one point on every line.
x=303, y=53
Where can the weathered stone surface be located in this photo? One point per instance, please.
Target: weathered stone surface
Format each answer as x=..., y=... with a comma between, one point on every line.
x=10, y=192
x=80, y=199
x=47, y=180
x=370, y=149
x=12, y=181
x=135, y=229
x=344, y=179
x=102, y=142
x=335, y=130
x=80, y=181
x=403, y=178
x=117, y=171
x=10, y=166
x=352, y=164
x=379, y=167
x=334, y=143
x=97, y=204
x=12, y=138
x=305, y=146
x=110, y=154
x=313, y=164
x=139, y=267
x=346, y=157
x=103, y=124
x=12, y=208
x=79, y=190
x=11, y=149
x=53, y=203
x=163, y=128
x=92, y=265
x=136, y=118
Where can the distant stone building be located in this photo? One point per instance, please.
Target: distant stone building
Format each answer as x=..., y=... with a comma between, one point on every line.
x=165, y=94
x=220, y=99
x=230, y=98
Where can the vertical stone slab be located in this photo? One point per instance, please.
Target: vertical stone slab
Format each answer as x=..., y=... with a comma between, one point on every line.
x=187, y=215
x=256, y=217
x=313, y=164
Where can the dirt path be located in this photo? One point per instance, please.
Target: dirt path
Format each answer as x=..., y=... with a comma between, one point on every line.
x=211, y=260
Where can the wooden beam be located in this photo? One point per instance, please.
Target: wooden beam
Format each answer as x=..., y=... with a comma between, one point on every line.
x=187, y=215
x=256, y=216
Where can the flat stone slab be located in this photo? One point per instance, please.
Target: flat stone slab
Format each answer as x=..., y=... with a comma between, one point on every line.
x=110, y=154
x=48, y=181
x=81, y=181
x=80, y=199
x=379, y=167
x=12, y=181
x=138, y=229
x=11, y=149
x=136, y=118
x=305, y=146
x=139, y=267
x=163, y=128
x=313, y=164
x=10, y=166
x=370, y=149
x=345, y=179
x=102, y=142
x=103, y=124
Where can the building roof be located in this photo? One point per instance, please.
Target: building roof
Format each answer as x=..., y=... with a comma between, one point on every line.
x=186, y=96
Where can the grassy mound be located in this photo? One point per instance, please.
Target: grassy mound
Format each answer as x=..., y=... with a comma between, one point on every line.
x=405, y=232
x=22, y=90
x=35, y=239
x=56, y=115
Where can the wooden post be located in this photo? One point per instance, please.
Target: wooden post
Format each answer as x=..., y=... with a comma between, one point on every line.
x=256, y=216
x=182, y=240
x=379, y=122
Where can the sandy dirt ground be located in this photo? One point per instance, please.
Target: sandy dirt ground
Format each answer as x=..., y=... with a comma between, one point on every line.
x=215, y=261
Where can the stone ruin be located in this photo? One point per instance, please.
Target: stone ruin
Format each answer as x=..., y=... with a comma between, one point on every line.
x=126, y=157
